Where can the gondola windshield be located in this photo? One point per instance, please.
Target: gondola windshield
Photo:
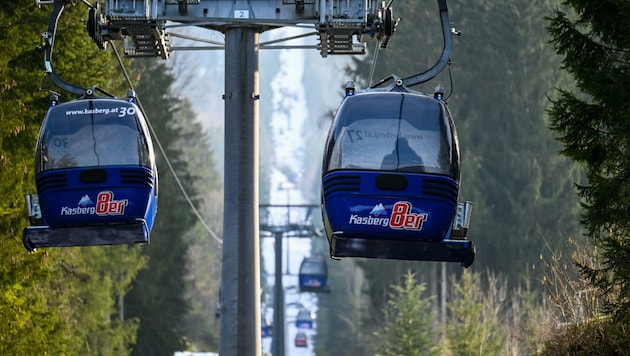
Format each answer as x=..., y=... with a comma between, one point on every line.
x=87, y=133
x=394, y=132
x=313, y=266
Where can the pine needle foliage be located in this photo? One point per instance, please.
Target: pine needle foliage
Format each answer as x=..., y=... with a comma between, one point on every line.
x=475, y=327
x=594, y=127
x=407, y=326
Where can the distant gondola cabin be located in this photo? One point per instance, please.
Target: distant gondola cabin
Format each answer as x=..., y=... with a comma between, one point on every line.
x=304, y=319
x=313, y=276
x=301, y=340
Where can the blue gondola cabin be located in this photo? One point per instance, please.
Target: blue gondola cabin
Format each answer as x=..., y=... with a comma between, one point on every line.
x=391, y=179
x=95, y=175
x=304, y=319
x=313, y=276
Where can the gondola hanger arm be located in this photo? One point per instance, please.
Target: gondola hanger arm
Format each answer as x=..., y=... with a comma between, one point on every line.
x=48, y=42
x=447, y=34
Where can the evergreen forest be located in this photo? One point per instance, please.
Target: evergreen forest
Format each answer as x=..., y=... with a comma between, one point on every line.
x=114, y=300
x=539, y=93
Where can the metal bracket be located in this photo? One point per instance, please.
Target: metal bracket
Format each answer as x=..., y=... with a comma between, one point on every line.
x=343, y=26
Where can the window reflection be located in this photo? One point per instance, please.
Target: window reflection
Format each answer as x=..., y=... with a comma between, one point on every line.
x=86, y=140
x=392, y=131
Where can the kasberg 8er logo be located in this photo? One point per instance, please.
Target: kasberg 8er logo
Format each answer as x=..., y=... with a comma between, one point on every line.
x=401, y=218
x=105, y=205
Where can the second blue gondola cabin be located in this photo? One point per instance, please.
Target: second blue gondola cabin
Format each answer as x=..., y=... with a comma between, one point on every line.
x=390, y=179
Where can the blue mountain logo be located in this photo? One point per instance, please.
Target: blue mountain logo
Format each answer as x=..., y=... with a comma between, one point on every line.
x=378, y=210
x=85, y=201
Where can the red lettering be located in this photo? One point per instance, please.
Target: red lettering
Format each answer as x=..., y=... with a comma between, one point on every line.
x=106, y=205
x=403, y=219
x=102, y=202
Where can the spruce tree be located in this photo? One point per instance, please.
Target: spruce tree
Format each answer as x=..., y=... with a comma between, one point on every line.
x=407, y=324
x=474, y=327
x=593, y=124
x=157, y=297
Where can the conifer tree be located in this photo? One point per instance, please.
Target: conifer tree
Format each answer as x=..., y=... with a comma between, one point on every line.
x=407, y=324
x=158, y=297
x=594, y=126
x=26, y=324
x=475, y=328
